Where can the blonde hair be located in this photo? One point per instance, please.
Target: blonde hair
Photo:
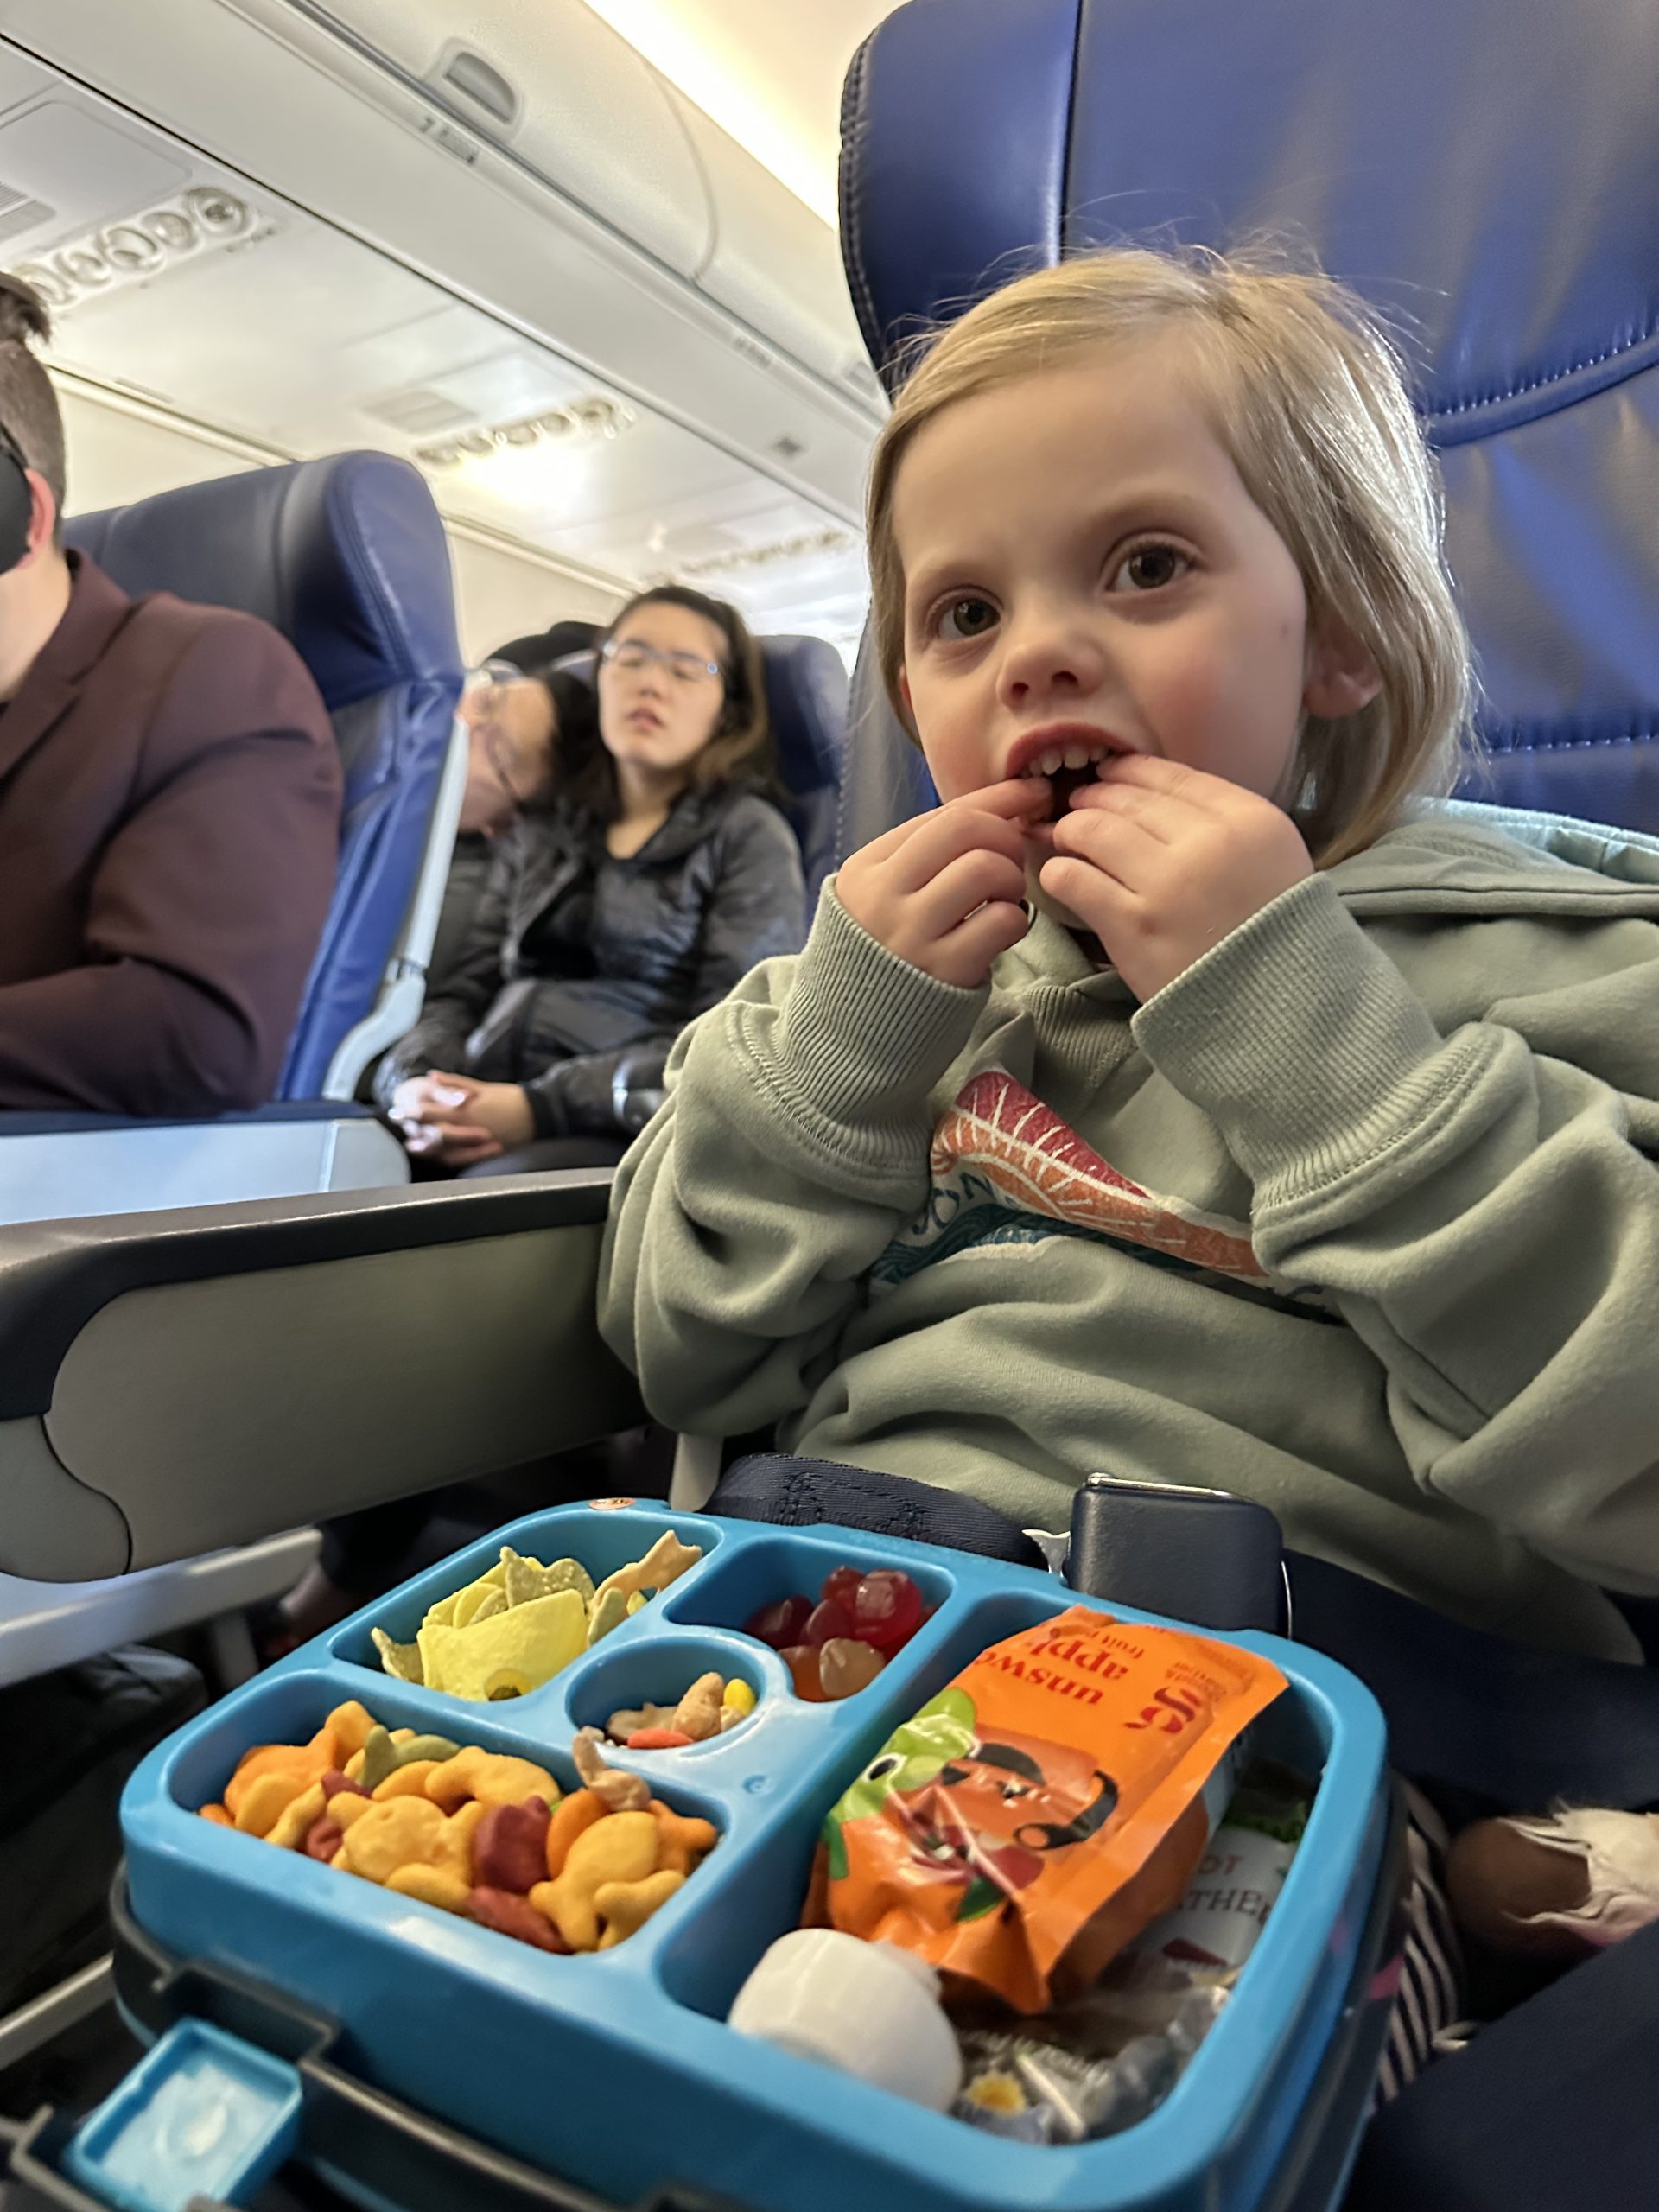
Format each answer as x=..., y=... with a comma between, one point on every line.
x=1308, y=398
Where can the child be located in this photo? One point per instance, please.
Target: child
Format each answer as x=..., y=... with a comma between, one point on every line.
x=1291, y=1145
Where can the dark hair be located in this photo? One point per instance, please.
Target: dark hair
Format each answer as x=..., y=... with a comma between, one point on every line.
x=28, y=406
x=532, y=654
x=740, y=751
x=575, y=724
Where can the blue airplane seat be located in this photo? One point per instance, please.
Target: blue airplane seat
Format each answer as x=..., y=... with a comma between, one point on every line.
x=806, y=698
x=1483, y=177
x=346, y=557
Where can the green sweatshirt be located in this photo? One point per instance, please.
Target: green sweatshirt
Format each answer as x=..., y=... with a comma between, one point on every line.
x=1353, y=1219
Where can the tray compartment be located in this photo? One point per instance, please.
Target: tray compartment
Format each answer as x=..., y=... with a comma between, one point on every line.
x=658, y=1669
x=602, y=1540
x=770, y=1566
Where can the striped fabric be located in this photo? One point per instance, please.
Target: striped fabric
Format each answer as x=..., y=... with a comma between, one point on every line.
x=1430, y=2006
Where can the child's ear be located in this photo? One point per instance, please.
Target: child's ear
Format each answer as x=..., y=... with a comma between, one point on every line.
x=904, y=691
x=1342, y=678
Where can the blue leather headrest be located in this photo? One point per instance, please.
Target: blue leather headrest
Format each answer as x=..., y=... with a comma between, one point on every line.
x=1483, y=173
x=345, y=557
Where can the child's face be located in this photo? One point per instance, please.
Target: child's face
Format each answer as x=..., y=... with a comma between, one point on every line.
x=1086, y=573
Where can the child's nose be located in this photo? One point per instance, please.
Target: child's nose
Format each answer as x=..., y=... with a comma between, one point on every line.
x=1047, y=653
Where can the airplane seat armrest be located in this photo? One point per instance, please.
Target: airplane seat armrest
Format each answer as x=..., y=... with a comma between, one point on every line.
x=175, y=1382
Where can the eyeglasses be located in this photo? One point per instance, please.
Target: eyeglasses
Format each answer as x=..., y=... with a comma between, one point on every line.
x=484, y=687
x=633, y=653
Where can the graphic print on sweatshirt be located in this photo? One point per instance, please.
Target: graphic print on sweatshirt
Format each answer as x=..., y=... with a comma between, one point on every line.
x=1005, y=1169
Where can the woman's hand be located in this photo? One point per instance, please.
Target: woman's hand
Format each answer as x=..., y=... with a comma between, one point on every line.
x=1163, y=861
x=454, y=1119
x=945, y=891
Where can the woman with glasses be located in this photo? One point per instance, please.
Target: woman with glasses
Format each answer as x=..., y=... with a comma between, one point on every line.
x=657, y=872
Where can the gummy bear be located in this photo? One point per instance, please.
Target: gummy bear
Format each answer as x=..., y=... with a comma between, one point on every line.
x=845, y=1667
x=779, y=1624
x=886, y=1609
x=802, y=1661
x=840, y=1587
x=827, y=1619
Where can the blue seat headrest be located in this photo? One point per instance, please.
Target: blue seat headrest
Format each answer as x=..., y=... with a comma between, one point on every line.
x=345, y=557
x=1484, y=174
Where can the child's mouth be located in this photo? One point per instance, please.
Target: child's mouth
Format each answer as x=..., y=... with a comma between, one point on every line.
x=1066, y=768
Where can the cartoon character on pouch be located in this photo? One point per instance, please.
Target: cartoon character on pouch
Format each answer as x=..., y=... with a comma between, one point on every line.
x=980, y=1814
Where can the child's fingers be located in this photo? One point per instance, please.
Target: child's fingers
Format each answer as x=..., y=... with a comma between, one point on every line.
x=1160, y=813
x=1124, y=846
x=1016, y=797
x=1170, y=779
x=1092, y=894
x=945, y=837
x=967, y=950
x=974, y=879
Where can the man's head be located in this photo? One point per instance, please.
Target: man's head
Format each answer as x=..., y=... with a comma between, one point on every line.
x=34, y=583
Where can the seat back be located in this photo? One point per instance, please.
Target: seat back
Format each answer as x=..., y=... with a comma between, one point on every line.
x=346, y=557
x=806, y=699
x=1484, y=174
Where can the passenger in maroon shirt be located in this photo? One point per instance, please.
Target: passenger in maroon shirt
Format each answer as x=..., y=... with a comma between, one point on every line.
x=169, y=812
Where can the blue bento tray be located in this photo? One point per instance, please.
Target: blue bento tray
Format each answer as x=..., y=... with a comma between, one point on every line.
x=616, y=2070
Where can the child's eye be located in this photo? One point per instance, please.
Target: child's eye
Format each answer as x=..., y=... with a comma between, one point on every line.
x=967, y=618
x=1148, y=568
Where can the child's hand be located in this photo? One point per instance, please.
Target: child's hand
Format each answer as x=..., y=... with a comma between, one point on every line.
x=1163, y=861
x=946, y=892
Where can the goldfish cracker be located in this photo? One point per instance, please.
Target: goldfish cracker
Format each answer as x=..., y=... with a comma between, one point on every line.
x=262, y=1803
x=571, y=1816
x=218, y=1816
x=304, y=1762
x=617, y=1791
x=402, y=1832
x=622, y=1847
x=494, y=1777
x=406, y=1781
x=624, y=1907
x=351, y=1723
x=347, y=1807
x=353, y=1768
x=292, y=1823
x=431, y=1885
x=681, y=1840
x=457, y=1844
x=1048, y=1805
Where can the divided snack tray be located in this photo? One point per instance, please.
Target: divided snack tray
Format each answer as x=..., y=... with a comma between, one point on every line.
x=616, y=2069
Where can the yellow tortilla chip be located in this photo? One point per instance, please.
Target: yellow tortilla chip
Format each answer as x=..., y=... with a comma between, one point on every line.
x=530, y=1642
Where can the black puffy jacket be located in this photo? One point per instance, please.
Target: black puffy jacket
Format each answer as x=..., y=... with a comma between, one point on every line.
x=580, y=970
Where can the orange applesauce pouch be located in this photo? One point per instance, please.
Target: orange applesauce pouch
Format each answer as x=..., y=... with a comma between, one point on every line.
x=1050, y=1804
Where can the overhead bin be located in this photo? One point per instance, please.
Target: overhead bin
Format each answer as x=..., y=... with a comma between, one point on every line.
x=582, y=112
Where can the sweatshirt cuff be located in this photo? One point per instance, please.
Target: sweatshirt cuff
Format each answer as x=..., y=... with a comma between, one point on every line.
x=1304, y=1044
x=866, y=1036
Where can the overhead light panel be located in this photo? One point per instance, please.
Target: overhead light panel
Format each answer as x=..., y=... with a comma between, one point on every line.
x=597, y=416
x=146, y=247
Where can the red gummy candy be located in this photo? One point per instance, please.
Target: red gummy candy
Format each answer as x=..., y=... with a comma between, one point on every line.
x=845, y=1666
x=826, y=1620
x=779, y=1624
x=514, y=1916
x=887, y=1610
x=323, y=1838
x=510, y=1847
x=802, y=1661
x=334, y=1782
x=840, y=1587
